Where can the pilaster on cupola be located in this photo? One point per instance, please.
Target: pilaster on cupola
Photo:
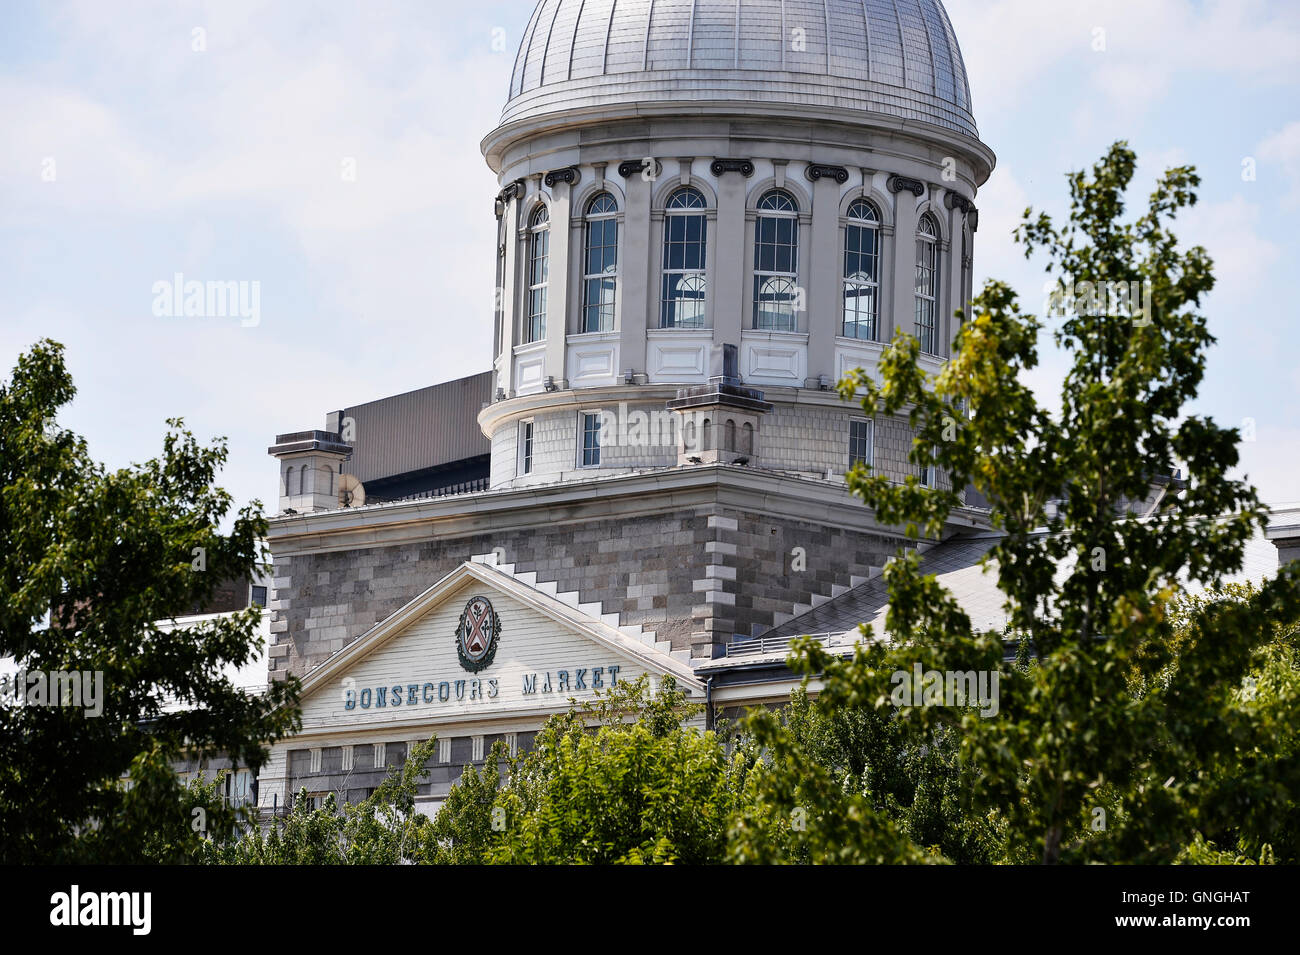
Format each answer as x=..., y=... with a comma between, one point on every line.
x=956, y=207
x=728, y=292
x=634, y=265
x=561, y=183
x=310, y=464
x=825, y=261
x=718, y=423
x=507, y=293
x=907, y=195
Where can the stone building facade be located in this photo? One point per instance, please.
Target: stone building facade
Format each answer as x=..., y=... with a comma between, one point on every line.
x=707, y=214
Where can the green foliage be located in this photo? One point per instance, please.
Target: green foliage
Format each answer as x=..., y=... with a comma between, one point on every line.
x=462, y=829
x=106, y=554
x=1115, y=713
x=621, y=781
x=383, y=829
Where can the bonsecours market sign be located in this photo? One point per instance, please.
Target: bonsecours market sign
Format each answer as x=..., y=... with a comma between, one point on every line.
x=477, y=636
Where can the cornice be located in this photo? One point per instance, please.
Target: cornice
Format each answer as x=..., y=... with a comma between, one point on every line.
x=753, y=490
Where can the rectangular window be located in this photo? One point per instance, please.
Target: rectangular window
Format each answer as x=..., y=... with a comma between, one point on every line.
x=258, y=596
x=776, y=255
x=685, y=284
x=239, y=787
x=590, y=439
x=861, y=284
x=928, y=473
x=600, y=278
x=538, y=267
x=861, y=440
x=525, y=447
x=927, y=295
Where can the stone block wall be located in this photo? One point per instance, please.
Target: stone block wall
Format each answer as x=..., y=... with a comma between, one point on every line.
x=638, y=435
x=694, y=575
x=803, y=438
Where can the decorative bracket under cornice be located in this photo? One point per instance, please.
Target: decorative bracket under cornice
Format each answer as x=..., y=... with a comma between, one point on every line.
x=955, y=200
x=898, y=183
x=514, y=190
x=568, y=174
x=823, y=171
x=743, y=166
x=632, y=167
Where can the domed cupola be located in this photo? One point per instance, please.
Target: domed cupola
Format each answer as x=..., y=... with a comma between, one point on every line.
x=709, y=211
x=891, y=59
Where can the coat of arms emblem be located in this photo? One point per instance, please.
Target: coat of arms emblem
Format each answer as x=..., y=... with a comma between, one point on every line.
x=477, y=634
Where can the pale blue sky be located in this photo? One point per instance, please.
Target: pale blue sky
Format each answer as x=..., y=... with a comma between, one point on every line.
x=225, y=164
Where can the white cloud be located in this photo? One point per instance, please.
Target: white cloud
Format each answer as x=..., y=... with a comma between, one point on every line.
x=370, y=287
x=1013, y=47
x=1279, y=156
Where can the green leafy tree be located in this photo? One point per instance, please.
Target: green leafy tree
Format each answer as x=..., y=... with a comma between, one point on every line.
x=382, y=829
x=92, y=558
x=800, y=806
x=462, y=830
x=1090, y=595
x=921, y=785
x=1233, y=778
x=621, y=780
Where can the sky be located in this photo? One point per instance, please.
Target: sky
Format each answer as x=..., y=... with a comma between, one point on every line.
x=329, y=152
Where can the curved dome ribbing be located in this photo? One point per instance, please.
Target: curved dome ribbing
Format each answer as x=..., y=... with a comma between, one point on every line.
x=894, y=57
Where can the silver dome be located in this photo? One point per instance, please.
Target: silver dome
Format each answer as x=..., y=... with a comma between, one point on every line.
x=898, y=58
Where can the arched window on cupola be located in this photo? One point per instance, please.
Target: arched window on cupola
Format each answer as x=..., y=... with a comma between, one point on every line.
x=729, y=436
x=861, y=271
x=684, y=292
x=302, y=479
x=776, y=262
x=708, y=436
x=927, y=284
x=600, y=265
x=288, y=480
x=539, y=249
x=747, y=439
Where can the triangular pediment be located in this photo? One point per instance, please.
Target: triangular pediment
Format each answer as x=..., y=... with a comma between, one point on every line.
x=408, y=668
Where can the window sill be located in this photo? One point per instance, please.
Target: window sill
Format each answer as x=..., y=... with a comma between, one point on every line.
x=773, y=334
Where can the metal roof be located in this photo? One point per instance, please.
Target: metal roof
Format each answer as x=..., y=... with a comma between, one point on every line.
x=893, y=57
x=418, y=430
x=955, y=564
